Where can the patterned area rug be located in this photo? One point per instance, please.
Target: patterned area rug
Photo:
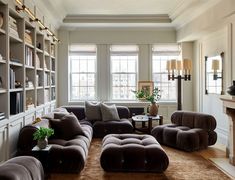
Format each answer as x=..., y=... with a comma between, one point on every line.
x=183, y=165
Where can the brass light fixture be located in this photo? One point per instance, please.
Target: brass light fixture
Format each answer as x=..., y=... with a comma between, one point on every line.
x=35, y=19
x=179, y=70
x=215, y=66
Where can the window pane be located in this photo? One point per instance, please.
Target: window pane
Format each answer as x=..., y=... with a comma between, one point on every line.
x=75, y=65
x=83, y=74
x=75, y=79
x=123, y=73
x=160, y=76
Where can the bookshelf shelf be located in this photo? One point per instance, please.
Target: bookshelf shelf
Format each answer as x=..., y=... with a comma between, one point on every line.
x=15, y=64
x=25, y=53
x=29, y=88
x=3, y=61
x=39, y=50
x=16, y=90
x=3, y=91
x=2, y=31
x=15, y=39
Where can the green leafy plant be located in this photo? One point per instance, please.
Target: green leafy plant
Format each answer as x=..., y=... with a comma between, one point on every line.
x=43, y=133
x=146, y=95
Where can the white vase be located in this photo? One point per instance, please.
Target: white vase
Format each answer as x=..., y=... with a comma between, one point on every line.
x=42, y=143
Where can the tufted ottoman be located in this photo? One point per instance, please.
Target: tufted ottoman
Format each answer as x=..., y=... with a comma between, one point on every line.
x=132, y=152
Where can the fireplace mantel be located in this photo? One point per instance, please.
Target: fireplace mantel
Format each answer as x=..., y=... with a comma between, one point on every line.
x=229, y=109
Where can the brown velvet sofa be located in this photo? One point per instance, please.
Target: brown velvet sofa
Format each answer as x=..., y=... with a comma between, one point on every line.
x=22, y=168
x=102, y=128
x=189, y=131
x=67, y=156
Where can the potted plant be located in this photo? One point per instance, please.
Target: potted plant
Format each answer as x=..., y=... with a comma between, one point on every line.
x=41, y=136
x=151, y=97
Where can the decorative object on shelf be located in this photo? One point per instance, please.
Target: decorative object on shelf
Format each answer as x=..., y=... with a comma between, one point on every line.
x=41, y=136
x=1, y=19
x=38, y=45
x=179, y=70
x=148, y=93
x=29, y=103
x=231, y=89
x=32, y=17
x=18, y=84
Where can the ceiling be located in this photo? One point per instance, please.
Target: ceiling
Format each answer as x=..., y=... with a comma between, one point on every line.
x=126, y=13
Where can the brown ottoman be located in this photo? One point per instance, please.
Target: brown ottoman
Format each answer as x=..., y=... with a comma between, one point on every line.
x=132, y=153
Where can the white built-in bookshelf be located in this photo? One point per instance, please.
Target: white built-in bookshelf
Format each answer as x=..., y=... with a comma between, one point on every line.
x=27, y=75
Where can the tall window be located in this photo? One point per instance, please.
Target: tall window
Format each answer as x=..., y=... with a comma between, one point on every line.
x=124, y=61
x=82, y=72
x=160, y=55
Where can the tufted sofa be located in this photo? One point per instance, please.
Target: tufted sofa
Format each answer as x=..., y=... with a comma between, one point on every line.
x=67, y=156
x=22, y=168
x=189, y=131
x=102, y=128
x=132, y=153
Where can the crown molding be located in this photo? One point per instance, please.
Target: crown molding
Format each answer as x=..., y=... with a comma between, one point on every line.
x=101, y=18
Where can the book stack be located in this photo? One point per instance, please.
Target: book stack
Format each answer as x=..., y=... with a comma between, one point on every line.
x=2, y=116
x=13, y=30
x=12, y=79
x=27, y=37
x=28, y=56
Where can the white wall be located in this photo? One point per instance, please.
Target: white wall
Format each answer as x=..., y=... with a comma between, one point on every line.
x=105, y=37
x=212, y=32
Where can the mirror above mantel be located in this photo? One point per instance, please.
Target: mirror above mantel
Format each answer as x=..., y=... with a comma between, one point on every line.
x=214, y=74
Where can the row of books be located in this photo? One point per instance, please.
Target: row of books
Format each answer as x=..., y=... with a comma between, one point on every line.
x=29, y=56
x=16, y=102
x=47, y=79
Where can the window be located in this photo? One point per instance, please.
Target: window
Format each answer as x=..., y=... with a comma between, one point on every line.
x=160, y=55
x=82, y=72
x=124, y=60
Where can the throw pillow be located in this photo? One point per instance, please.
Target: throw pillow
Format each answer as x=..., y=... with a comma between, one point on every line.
x=59, y=115
x=67, y=127
x=92, y=111
x=109, y=113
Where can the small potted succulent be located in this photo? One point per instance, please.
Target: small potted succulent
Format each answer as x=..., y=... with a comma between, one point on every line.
x=41, y=136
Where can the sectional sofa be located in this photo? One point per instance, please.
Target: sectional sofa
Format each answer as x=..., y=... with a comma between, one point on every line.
x=69, y=155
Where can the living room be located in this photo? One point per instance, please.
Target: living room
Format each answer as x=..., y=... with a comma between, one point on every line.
x=65, y=53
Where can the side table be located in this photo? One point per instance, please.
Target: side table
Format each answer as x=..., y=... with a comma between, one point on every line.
x=43, y=156
x=148, y=119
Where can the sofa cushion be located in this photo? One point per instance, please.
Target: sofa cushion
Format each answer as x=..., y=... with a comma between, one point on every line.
x=109, y=113
x=67, y=127
x=92, y=111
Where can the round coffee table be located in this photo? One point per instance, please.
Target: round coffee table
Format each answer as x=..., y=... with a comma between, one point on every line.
x=148, y=119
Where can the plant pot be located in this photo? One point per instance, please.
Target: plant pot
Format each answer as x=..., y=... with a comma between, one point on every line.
x=42, y=143
x=153, y=109
x=231, y=89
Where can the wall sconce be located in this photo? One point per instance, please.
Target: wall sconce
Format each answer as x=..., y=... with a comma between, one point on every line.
x=179, y=70
x=215, y=67
x=35, y=19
